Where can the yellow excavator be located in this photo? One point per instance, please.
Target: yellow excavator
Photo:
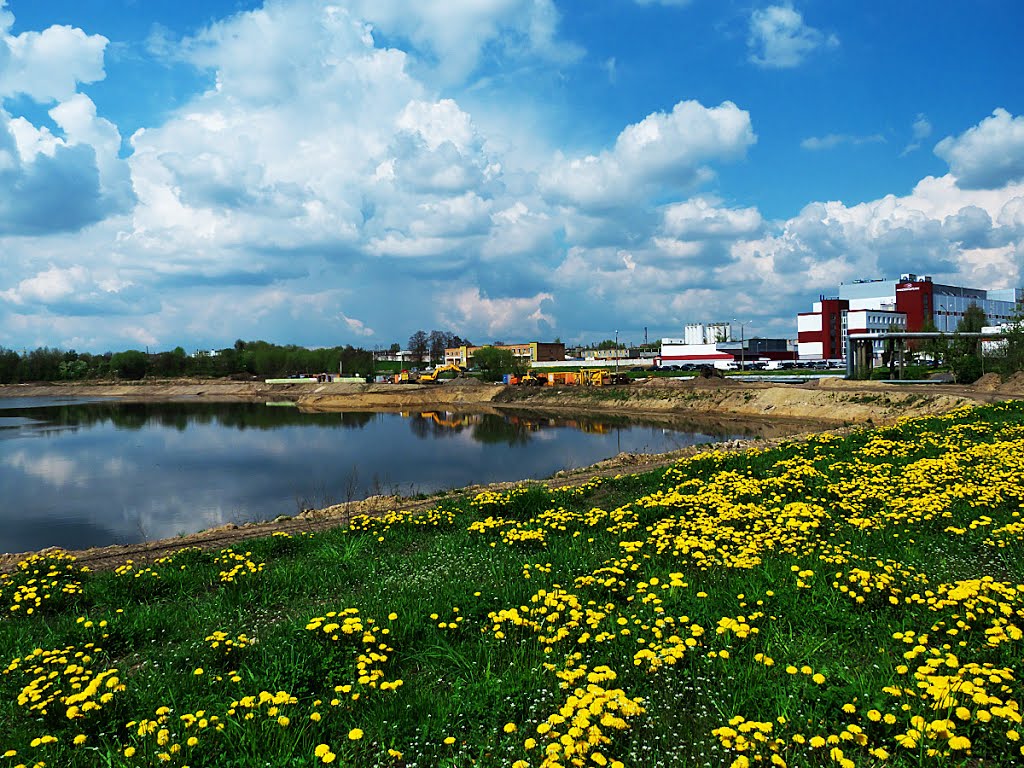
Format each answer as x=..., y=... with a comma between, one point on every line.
x=431, y=378
x=529, y=379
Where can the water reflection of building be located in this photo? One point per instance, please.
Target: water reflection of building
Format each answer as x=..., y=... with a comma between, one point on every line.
x=451, y=420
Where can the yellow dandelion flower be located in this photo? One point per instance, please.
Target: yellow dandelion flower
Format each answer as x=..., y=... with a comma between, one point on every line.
x=355, y=734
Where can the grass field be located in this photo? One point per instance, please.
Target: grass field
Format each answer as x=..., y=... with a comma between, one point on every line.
x=849, y=601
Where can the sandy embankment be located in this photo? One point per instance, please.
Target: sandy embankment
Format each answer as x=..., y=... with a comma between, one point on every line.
x=832, y=401
x=825, y=401
x=213, y=390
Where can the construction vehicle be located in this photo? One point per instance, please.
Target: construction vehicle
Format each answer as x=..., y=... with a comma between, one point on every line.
x=449, y=420
x=594, y=377
x=431, y=378
x=405, y=377
x=531, y=380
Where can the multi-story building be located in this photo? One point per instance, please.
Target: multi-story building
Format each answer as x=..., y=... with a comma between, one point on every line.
x=526, y=352
x=908, y=304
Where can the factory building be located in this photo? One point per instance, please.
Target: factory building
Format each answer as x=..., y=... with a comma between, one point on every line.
x=526, y=352
x=908, y=304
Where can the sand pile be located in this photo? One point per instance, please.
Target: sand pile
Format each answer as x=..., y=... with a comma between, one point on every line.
x=1014, y=385
x=990, y=382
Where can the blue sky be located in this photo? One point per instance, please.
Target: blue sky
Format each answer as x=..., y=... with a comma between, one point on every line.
x=349, y=172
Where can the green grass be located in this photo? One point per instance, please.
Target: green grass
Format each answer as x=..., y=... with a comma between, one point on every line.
x=667, y=606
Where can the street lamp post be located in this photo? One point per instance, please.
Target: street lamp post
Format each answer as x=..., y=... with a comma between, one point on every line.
x=616, y=353
x=743, y=352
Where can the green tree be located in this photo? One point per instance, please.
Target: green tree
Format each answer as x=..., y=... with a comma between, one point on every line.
x=130, y=364
x=169, y=364
x=419, y=345
x=1011, y=351
x=965, y=353
x=493, y=362
x=9, y=360
x=42, y=364
x=73, y=370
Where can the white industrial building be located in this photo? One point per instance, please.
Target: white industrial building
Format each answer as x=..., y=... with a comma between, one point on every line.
x=911, y=304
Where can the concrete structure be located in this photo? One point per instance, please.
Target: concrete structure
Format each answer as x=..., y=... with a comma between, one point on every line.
x=527, y=352
x=909, y=304
x=712, y=333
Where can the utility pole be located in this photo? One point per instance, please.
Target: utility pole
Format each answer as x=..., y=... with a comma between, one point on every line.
x=743, y=352
x=616, y=352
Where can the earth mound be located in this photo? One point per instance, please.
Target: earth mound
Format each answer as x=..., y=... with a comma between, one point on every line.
x=990, y=382
x=1014, y=385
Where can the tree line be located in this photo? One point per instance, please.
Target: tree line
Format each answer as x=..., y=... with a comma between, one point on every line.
x=259, y=359
x=246, y=359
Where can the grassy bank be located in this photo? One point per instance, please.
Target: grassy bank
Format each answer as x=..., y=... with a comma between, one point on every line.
x=848, y=601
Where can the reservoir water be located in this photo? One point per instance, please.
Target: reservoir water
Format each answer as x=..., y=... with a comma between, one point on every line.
x=84, y=473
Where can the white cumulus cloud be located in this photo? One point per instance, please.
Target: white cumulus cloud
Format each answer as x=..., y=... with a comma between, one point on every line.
x=48, y=66
x=779, y=38
x=64, y=180
x=663, y=149
x=451, y=37
x=468, y=308
x=987, y=155
x=358, y=327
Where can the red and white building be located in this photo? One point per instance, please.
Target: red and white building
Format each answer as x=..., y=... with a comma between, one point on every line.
x=908, y=304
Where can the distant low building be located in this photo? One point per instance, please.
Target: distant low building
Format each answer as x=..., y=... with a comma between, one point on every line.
x=722, y=353
x=402, y=356
x=526, y=352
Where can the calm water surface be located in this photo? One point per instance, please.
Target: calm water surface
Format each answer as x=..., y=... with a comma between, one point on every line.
x=77, y=474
